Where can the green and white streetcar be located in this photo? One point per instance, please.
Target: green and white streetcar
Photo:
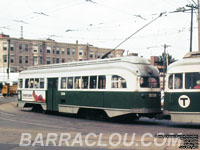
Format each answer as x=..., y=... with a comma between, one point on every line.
x=116, y=86
x=182, y=92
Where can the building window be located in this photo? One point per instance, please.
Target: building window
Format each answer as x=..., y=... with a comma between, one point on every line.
x=57, y=51
x=118, y=82
x=35, y=48
x=80, y=52
x=53, y=60
x=192, y=80
x=91, y=55
x=4, y=58
x=57, y=60
x=12, y=47
x=48, y=50
x=93, y=82
x=48, y=62
x=20, y=59
x=4, y=46
x=41, y=61
x=11, y=59
x=41, y=47
x=26, y=47
x=101, y=82
x=35, y=60
x=68, y=51
x=63, y=60
x=26, y=59
x=20, y=47
x=98, y=55
x=73, y=52
x=63, y=51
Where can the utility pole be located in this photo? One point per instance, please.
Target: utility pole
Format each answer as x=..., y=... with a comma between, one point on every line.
x=198, y=19
x=191, y=25
x=164, y=63
x=8, y=69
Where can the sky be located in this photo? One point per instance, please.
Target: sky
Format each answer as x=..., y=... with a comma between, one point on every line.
x=103, y=23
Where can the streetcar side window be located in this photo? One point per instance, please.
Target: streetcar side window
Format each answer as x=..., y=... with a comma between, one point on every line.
x=70, y=82
x=149, y=82
x=178, y=81
x=77, y=82
x=85, y=82
x=20, y=82
x=27, y=83
x=63, y=83
x=36, y=83
x=31, y=83
x=93, y=82
x=118, y=82
x=101, y=82
x=41, y=83
x=170, y=82
x=192, y=80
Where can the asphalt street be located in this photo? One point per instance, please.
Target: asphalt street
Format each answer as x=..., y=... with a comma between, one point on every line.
x=84, y=134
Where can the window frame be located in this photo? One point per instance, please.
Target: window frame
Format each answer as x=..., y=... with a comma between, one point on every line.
x=39, y=88
x=117, y=82
x=193, y=89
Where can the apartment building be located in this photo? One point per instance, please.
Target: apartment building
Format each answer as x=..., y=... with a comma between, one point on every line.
x=26, y=52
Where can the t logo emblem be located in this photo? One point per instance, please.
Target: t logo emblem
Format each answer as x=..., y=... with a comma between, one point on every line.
x=184, y=101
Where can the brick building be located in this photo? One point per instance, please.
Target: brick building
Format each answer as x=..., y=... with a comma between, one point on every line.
x=27, y=52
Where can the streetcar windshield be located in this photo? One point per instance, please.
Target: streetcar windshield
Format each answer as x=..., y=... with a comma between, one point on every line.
x=149, y=82
x=192, y=80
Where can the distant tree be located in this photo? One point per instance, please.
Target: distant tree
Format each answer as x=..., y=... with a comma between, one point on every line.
x=170, y=58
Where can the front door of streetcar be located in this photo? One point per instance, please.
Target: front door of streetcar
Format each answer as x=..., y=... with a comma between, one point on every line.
x=52, y=90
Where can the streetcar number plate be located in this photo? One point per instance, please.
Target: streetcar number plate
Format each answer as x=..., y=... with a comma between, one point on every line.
x=152, y=95
x=63, y=93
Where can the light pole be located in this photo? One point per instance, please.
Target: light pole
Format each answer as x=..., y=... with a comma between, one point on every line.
x=8, y=69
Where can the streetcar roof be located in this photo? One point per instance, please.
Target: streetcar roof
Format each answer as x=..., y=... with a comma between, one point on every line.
x=136, y=65
x=186, y=64
x=129, y=59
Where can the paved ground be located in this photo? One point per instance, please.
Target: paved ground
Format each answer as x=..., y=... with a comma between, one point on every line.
x=81, y=133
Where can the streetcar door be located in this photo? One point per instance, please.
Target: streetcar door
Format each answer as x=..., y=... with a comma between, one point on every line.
x=52, y=90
